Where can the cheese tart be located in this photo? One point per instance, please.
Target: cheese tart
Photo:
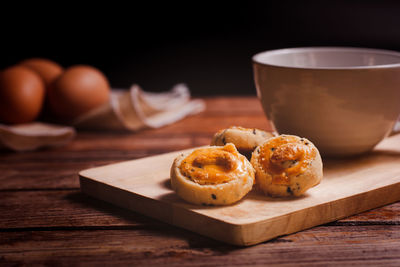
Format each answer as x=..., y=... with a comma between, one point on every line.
x=215, y=175
x=287, y=165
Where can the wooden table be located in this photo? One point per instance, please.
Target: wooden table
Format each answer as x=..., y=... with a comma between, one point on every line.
x=46, y=220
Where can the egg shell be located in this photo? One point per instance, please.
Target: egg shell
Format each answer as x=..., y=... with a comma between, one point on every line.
x=78, y=90
x=21, y=95
x=48, y=70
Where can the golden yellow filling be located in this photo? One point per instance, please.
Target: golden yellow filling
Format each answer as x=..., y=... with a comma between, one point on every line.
x=214, y=165
x=286, y=155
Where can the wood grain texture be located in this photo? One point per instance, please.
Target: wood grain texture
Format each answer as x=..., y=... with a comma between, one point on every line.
x=43, y=209
x=46, y=221
x=61, y=209
x=323, y=246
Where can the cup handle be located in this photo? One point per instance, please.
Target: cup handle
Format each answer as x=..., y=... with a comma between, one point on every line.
x=396, y=128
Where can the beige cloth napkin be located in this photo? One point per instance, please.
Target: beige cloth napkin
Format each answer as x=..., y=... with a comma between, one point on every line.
x=136, y=109
x=127, y=110
x=31, y=136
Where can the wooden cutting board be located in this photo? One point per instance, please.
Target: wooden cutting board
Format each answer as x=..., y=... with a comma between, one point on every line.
x=349, y=186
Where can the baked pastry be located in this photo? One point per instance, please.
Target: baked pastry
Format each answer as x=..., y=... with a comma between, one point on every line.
x=245, y=139
x=287, y=165
x=212, y=175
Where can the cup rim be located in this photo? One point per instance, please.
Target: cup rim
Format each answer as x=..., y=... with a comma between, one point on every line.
x=255, y=58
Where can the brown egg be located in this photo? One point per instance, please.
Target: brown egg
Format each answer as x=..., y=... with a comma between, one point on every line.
x=48, y=70
x=78, y=90
x=21, y=95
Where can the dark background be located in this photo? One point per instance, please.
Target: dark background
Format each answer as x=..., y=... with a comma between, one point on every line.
x=208, y=46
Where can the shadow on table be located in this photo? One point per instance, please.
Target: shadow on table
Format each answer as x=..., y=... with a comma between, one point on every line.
x=123, y=219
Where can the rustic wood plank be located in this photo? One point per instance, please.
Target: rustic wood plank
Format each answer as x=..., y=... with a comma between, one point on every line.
x=62, y=208
x=130, y=142
x=70, y=208
x=389, y=214
x=209, y=125
x=321, y=246
x=58, y=170
x=233, y=105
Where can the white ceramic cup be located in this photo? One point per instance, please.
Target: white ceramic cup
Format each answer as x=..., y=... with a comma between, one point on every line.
x=345, y=100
